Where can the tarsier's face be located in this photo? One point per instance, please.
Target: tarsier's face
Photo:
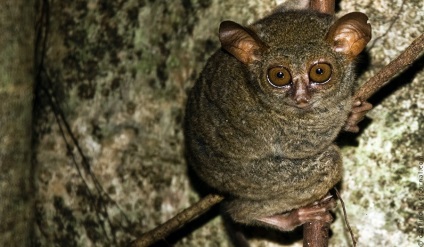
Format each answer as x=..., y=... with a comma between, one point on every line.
x=299, y=61
x=300, y=86
x=300, y=83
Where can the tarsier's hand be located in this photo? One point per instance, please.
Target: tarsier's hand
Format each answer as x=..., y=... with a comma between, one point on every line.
x=359, y=109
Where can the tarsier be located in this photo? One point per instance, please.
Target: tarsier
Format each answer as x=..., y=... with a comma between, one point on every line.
x=262, y=119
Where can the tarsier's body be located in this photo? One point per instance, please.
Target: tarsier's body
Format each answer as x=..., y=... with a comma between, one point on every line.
x=263, y=116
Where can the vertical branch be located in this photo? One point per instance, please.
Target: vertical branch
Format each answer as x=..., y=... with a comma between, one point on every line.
x=323, y=6
x=315, y=234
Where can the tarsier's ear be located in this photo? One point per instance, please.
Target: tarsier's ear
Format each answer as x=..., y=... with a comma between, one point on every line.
x=350, y=34
x=241, y=42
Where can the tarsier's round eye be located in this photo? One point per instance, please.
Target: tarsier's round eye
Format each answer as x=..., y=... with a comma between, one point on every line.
x=279, y=76
x=320, y=72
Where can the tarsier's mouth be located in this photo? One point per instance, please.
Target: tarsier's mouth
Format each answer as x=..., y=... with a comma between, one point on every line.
x=303, y=106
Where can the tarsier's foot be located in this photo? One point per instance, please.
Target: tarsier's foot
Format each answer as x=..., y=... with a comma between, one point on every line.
x=359, y=109
x=318, y=211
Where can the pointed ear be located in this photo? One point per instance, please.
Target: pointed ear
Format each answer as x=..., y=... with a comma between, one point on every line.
x=241, y=42
x=350, y=34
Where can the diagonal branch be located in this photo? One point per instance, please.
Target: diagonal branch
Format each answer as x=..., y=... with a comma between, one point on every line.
x=394, y=67
x=178, y=221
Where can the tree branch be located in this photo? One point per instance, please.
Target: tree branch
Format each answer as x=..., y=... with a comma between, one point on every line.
x=177, y=221
x=394, y=67
x=315, y=234
x=323, y=6
x=345, y=216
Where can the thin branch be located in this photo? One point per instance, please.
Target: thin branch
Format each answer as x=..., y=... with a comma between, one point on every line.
x=177, y=221
x=396, y=66
x=345, y=216
x=392, y=23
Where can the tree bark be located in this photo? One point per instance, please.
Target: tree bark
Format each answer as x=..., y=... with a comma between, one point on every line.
x=324, y=6
x=315, y=234
x=16, y=100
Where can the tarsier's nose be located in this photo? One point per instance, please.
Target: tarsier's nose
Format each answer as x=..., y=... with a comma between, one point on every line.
x=301, y=100
x=302, y=104
x=301, y=94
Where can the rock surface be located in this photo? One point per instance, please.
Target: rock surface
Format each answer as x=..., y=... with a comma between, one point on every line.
x=114, y=89
x=16, y=101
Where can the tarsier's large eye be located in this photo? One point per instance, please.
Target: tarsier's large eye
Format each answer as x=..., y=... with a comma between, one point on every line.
x=279, y=76
x=320, y=72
